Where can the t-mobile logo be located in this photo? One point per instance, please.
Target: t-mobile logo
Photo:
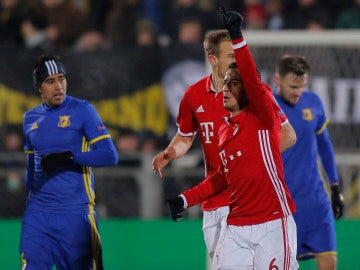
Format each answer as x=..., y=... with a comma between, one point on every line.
x=207, y=130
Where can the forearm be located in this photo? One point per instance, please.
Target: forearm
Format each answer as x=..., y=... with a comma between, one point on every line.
x=178, y=147
x=327, y=156
x=210, y=186
x=103, y=154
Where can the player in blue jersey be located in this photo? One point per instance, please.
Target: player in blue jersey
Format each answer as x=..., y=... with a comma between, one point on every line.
x=64, y=137
x=314, y=211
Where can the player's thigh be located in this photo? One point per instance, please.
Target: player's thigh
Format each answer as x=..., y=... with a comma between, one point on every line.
x=316, y=230
x=212, y=226
x=35, y=243
x=78, y=242
x=275, y=245
x=234, y=250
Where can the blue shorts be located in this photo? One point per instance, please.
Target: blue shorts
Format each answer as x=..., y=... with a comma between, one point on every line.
x=315, y=228
x=67, y=241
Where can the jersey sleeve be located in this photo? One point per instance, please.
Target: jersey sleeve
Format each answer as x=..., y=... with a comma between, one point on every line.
x=261, y=99
x=210, y=186
x=186, y=121
x=327, y=156
x=325, y=147
x=30, y=162
x=283, y=118
x=103, y=151
x=93, y=127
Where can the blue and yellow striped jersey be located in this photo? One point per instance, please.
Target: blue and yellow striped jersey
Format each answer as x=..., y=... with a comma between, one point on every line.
x=76, y=126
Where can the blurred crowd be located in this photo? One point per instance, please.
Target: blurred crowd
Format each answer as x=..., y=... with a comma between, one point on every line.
x=87, y=25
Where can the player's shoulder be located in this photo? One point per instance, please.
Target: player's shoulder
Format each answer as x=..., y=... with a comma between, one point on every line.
x=198, y=86
x=78, y=102
x=33, y=111
x=78, y=105
x=310, y=96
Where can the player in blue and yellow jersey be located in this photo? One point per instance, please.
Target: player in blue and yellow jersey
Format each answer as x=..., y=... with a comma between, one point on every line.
x=314, y=211
x=64, y=137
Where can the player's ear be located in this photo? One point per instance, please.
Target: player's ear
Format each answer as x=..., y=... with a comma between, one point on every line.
x=213, y=60
x=277, y=78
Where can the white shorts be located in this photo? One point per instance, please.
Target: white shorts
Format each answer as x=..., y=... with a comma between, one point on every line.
x=270, y=245
x=212, y=227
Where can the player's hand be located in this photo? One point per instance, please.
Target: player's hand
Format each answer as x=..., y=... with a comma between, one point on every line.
x=52, y=161
x=233, y=22
x=176, y=206
x=337, y=201
x=159, y=162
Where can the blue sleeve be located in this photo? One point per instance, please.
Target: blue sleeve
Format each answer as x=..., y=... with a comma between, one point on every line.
x=327, y=156
x=103, y=153
x=29, y=174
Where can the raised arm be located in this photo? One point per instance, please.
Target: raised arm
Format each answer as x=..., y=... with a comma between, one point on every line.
x=258, y=93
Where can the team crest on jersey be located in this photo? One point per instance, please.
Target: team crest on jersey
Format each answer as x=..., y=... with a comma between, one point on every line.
x=307, y=114
x=64, y=121
x=34, y=126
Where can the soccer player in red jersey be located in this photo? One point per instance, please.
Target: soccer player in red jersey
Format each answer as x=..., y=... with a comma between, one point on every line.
x=260, y=231
x=200, y=112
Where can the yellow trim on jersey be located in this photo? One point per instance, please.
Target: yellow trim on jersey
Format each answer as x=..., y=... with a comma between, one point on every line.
x=29, y=152
x=85, y=147
x=99, y=138
x=323, y=127
x=95, y=239
x=23, y=261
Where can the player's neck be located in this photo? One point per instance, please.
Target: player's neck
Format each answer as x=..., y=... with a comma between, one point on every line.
x=217, y=82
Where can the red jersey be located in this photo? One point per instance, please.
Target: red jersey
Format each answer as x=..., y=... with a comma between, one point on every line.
x=201, y=111
x=250, y=152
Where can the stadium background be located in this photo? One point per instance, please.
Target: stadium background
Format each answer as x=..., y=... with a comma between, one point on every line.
x=139, y=89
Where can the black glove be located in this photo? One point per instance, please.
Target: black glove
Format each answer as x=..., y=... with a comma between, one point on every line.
x=233, y=22
x=52, y=161
x=337, y=201
x=176, y=206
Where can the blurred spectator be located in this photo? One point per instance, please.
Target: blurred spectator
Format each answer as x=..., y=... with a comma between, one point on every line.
x=255, y=15
x=184, y=10
x=190, y=31
x=146, y=34
x=308, y=11
x=317, y=23
x=349, y=18
x=155, y=11
x=127, y=142
x=12, y=164
x=65, y=21
x=33, y=29
x=148, y=141
x=91, y=40
x=11, y=16
x=275, y=19
x=95, y=12
x=120, y=22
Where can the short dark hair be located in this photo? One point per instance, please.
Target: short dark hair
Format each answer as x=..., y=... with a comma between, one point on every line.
x=292, y=63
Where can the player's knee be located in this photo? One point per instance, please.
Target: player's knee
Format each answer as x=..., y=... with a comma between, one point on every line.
x=326, y=262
